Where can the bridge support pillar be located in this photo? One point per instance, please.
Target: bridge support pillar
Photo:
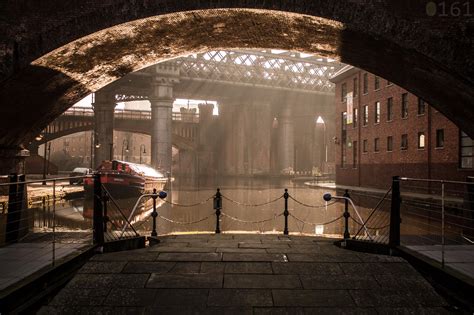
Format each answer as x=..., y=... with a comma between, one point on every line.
x=261, y=126
x=12, y=160
x=104, y=107
x=161, y=100
x=286, y=144
x=207, y=140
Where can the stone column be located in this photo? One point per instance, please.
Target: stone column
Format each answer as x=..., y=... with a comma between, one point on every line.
x=286, y=139
x=226, y=154
x=12, y=160
x=104, y=107
x=161, y=100
x=207, y=139
x=260, y=141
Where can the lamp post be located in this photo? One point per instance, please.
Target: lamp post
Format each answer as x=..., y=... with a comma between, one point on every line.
x=94, y=144
x=142, y=151
x=124, y=146
x=320, y=120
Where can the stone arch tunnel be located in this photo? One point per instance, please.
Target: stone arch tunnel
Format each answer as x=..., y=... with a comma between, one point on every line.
x=54, y=53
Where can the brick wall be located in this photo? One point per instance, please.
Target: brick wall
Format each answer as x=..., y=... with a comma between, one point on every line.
x=375, y=169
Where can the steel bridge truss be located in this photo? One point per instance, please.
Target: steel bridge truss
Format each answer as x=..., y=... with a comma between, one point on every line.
x=275, y=69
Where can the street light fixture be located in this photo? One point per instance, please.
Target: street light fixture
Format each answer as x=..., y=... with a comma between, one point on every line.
x=320, y=120
x=94, y=144
x=124, y=146
x=142, y=151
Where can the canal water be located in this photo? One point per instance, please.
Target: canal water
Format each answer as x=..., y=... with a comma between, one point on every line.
x=248, y=206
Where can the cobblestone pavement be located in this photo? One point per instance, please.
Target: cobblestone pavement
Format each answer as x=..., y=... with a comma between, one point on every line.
x=246, y=274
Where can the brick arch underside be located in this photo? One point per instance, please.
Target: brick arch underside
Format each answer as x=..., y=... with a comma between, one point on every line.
x=40, y=91
x=179, y=142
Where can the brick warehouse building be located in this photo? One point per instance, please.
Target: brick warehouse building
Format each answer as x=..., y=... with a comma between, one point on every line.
x=384, y=131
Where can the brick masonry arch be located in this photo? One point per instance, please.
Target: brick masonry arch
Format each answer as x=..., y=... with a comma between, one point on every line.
x=56, y=52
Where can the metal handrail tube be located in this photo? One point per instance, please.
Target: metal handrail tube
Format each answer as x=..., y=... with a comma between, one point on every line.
x=435, y=181
x=48, y=180
x=134, y=209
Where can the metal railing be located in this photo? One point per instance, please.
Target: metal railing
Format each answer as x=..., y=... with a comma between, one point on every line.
x=437, y=219
x=226, y=222
x=132, y=114
x=44, y=222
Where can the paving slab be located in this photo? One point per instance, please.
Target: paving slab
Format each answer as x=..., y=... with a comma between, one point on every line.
x=307, y=268
x=193, y=281
x=186, y=267
x=148, y=267
x=103, y=267
x=240, y=297
x=180, y=297
x=307, y=275
x=130, y=297
x=314, y=310
x=212, y=267
x=249, y=267
x=190, y=257
x=330, y=282
x=262, y=281
x=254, y=257
x=242, y=250
x=312, y=298
x=172, y=249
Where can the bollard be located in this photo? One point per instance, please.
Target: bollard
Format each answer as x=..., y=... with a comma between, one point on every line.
x=394, y=234
x=106, y=217
x=154, y=213
x=286, y=213
x=98, y=233
x=218, y=207
x=347, y=215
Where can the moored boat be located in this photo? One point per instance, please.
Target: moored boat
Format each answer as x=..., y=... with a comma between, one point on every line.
x=124, y=182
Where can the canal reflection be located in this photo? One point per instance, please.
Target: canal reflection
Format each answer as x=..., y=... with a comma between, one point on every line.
x=240, y=195
x=190, y=201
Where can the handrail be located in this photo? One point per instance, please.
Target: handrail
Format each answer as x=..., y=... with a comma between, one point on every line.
x=134, y=209
x=45, y=180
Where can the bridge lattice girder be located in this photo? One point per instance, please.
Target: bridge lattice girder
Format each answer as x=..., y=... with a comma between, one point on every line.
x=283, y=70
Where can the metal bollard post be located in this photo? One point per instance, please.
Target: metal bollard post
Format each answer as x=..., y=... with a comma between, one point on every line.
x=395, y=220
x=347, y=215
x=106, y=218
x=98, y=225
x=54, y=222
x=154, y=214
x=218, y=207
x=286, y=212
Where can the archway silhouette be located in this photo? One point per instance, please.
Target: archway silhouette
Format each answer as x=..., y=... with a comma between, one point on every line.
x=36, y=94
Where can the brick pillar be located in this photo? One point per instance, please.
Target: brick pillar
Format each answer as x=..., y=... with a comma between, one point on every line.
x=104, y=107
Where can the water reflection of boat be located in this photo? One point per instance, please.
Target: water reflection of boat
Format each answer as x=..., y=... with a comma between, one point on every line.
x=124, y=182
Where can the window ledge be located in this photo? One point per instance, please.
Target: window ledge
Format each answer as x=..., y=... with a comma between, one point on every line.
x=439, y=148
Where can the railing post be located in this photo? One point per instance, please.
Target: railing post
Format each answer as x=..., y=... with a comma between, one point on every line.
x=98, y=223
x=394, y=236
x=106, y=217
x=286, y=212
x=14, y=214
x=346, y=215
x=218, y=207
x=154, y=214
x=442, y=224
x=54, y=223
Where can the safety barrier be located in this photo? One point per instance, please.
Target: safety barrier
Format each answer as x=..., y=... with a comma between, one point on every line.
x=40, y=224
x=219, y=212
